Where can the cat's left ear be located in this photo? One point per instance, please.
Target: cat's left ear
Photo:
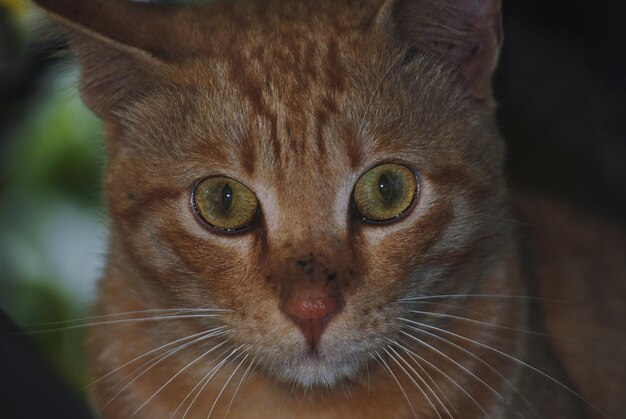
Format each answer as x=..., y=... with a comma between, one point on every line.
x=465, y=33
x=153, y=29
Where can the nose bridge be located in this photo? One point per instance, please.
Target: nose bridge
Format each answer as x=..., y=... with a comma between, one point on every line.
x=311, y=220
x=309, y=232
x=307, y=204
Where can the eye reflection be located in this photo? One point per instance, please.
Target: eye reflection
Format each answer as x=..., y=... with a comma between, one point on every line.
x=384, y=187
x=227, y=196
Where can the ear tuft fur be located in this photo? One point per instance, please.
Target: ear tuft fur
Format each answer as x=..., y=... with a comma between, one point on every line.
x=148, y=28
x=465, y=33
x=122, y=45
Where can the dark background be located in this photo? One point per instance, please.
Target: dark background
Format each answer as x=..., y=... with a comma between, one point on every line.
x=561, y=87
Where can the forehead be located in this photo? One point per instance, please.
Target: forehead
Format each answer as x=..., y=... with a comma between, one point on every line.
x=300, y=92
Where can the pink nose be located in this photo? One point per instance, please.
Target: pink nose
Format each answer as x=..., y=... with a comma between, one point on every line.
x=311, y=315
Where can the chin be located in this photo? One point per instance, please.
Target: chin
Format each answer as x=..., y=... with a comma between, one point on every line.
x=336, y=362
x=310, y=370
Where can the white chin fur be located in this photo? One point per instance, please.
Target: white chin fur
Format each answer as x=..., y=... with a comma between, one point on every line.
x=315, y=371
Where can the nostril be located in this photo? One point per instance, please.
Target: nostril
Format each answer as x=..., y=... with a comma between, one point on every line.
x=311, y=315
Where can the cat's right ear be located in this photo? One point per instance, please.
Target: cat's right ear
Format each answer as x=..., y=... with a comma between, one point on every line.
x=121, y=45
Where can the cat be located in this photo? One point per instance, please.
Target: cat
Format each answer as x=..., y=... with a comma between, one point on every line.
x=310, y=219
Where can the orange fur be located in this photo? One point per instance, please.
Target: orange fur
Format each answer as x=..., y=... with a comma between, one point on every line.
x=296, y=100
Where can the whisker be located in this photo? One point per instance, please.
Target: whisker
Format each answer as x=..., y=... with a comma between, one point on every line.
x=346, y=389
x=504, y=354
x=123, y=321
x=243, y=377
x=293, y=387
x=432, y=348
x=226, y=384
x=157, y=360
x=486, y=296
x=514, y=329
x=286, y=395
x=383, y=364
x=254, y=368
x=415, y=382
x=214, y=371
x=432, y=380
x=128, y=313
x=495, y=325
x=367, y=369
x=197, y=385
x=481, y=361
x=173, y=378
x=416, y=356
x=152, y=351
x=454, y=306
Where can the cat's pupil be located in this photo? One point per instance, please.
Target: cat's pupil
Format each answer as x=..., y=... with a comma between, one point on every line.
x=384, y=187
x=227, y=196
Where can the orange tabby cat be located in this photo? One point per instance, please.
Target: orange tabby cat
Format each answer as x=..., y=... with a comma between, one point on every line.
x=309, y=219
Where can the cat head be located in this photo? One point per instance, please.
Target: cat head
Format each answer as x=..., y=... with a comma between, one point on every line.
x=303, y=165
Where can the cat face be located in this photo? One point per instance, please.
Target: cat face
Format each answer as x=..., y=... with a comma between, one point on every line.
x=292, y=106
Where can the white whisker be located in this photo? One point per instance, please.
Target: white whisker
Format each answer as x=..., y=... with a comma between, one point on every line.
x=504, y=354
x=124, y=321
x=367, y=369
x=433, y=381
x=483, y=323
x=226, y=384
x=173, y=378
x=128, y=313
x=432, y=405
x=493, y=296
x=481, y=361
x=243, y=377
x=383, y=364
x=455, y=362
x=214, y=371
x=152, y=351
x=158, y=359
x=198, y=384
x=454, y=306
x=416, y=356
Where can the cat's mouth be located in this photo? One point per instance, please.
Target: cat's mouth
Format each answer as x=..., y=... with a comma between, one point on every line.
x=314, y=368
x=335, y=359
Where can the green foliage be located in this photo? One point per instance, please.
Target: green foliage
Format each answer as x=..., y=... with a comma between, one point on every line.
x=51, y=229
x=51, y=171
x=58, y=151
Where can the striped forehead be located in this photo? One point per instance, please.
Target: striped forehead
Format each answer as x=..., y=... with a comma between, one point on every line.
x=287, y=102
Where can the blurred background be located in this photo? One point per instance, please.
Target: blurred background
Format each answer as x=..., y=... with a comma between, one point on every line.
x=561, y=87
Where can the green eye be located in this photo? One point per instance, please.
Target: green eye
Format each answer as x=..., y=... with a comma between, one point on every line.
x=385, y=192
x=225, y=203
